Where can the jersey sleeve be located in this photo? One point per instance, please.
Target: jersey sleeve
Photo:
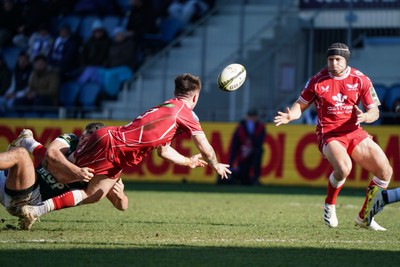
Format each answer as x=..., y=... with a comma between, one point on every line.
x=369, y=97
x=308, y=93
x=70, y=140
x=189, y=123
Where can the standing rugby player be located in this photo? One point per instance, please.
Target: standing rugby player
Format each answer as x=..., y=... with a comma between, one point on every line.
x=336, y=91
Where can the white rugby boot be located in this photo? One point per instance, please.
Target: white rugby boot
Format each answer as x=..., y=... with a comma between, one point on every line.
x=21, y=139
x=373, y=225
x=330, y=215
x=29, y=217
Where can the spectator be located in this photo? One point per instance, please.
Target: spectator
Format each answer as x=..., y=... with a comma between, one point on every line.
x=95, y=53
x=122, y=51
x=43, y=86
x=141, y=19
x=40, y=42
x=34, y=14
x=64, y=55
x=246, y=149
x=95, y=50
x=10, y=16
x=19, y=83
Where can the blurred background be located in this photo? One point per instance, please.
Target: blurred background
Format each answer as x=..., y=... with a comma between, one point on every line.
x=145, y=44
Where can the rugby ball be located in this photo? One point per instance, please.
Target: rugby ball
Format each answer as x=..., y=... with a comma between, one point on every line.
x=231, y=77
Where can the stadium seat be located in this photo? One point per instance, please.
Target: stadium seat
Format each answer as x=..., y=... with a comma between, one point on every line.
x=72, y=21
x=85, y=29
x=169, y=29
x=68, y=93
x=110, y=23
x=112, y=79
x=88, y=95
x=10, y=55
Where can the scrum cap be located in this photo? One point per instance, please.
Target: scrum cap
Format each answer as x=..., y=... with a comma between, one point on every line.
x=339, y=49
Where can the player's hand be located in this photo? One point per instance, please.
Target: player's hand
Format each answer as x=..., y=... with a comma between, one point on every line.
x=283, y=118
x=118, y=188
x=85, y=174
x=361, y=116
x=223, y=170
x=196, y=161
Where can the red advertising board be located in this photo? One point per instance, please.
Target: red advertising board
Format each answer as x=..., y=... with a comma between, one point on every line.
x=291, y=156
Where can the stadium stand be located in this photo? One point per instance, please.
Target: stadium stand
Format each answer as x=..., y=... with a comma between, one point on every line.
x=88, y=95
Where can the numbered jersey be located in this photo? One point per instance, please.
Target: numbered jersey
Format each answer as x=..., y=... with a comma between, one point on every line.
x=49, y=187
x=110, y=149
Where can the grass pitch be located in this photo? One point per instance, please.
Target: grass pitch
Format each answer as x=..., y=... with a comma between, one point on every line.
x=205, y=225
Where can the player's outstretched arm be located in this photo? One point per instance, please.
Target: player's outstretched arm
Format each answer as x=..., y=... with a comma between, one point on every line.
x=169, y=153
x=291, y=114
x=117, y=196
x=208, y=154
x=59, y=166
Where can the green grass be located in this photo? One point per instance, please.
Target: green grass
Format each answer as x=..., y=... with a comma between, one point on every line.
x=205, y=225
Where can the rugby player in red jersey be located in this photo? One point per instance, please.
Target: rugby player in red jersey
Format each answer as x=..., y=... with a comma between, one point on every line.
x=112, y=148
x=336, y=91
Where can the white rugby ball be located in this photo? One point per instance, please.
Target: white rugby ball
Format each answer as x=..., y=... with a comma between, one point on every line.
x=231, y=77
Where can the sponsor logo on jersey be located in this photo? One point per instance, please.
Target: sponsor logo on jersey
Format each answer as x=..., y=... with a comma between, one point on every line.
x=352, y=87
x=325, y=89
x=339, y=99
x=49, y=179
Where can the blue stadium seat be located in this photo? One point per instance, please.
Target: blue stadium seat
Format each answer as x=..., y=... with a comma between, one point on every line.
x=113, y=78
x=88, y=95
x=110, y=23
x=169, y=29
x=68, y=93
x=72, y=21
x=85, y=29
x=10, y=55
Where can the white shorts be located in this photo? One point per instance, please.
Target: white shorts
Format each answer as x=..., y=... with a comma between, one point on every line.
x=12, y=204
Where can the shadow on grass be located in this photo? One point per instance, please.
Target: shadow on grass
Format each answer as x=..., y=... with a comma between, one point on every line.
x=196, y=256
x=214, y=188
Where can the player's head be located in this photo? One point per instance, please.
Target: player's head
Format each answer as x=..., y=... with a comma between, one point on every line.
x=89, y=130
x=338, y=49
x=94, y=126
x=338, y=56
x=188, y=86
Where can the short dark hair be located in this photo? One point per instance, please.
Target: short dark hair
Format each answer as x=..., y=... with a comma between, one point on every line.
x=186, y=83
x=94, y=126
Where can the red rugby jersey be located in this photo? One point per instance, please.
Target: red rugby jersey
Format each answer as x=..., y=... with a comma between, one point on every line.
x=127, y=145
x=335, y=97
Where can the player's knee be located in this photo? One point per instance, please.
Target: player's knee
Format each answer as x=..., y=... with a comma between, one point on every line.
x=387, y=173
x=21, y=153
x=344, y=170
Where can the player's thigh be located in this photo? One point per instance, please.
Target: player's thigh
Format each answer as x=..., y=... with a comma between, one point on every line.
x=337, y=156
x=98, y=188
x=22, y=175
x=370, y=156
